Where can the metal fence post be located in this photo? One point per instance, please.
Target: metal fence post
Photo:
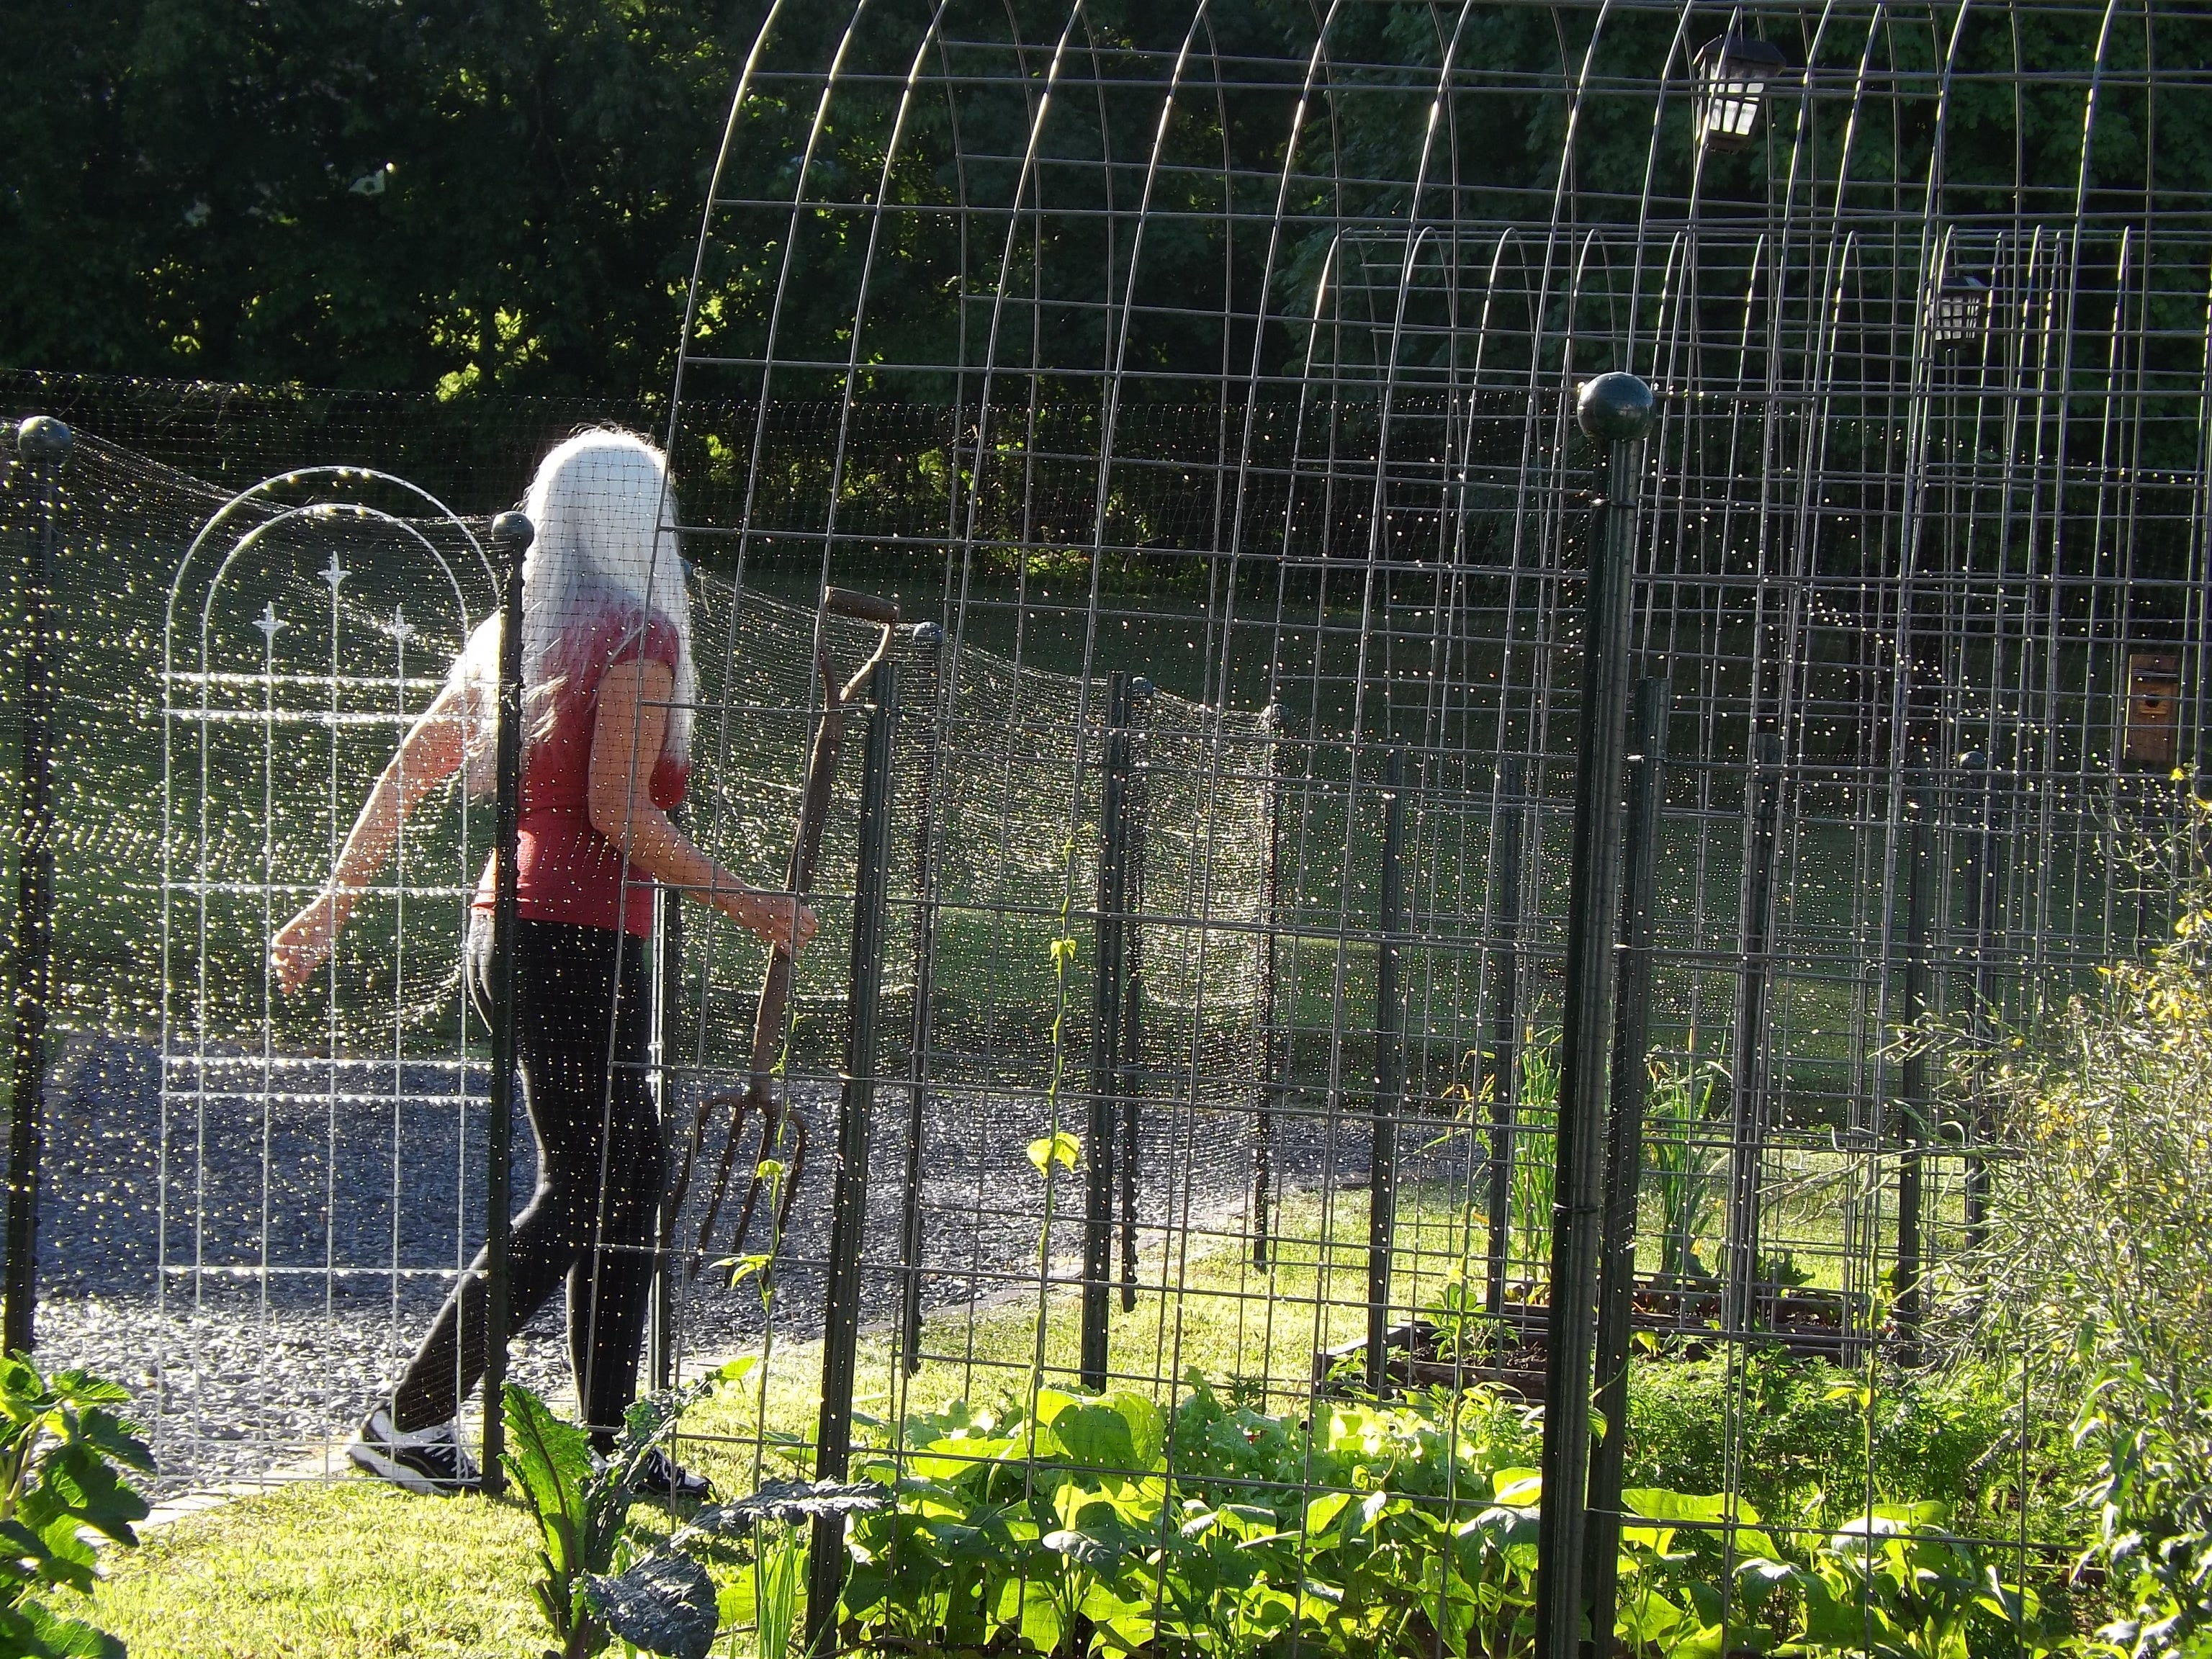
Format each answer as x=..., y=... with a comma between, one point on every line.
x=1274, y=721
x=1130, y=1045
x=1106, y=1014
x=1389, y=1071
x=1912, y=1126
x=1980, y=904
x=848, y=1206
x=511, y=536
x=1616, y=411
x=44, y=443
x=1504, y=1025
x=927, y=637
x=1624, y=1156
x=1748, y=1107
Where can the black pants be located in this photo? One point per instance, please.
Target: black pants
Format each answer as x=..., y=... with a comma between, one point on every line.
x=594, y=1217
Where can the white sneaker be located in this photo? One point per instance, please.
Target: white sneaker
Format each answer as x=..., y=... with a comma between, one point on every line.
x=431, y=1461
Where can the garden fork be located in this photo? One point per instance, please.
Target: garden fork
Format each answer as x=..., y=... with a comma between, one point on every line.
x=775, y=987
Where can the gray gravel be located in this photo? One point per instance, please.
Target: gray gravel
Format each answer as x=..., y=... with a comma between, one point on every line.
x=310, y=1224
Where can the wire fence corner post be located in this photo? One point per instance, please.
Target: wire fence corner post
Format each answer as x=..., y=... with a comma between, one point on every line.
x=1106, y=1013
x=44, y=443
x=1614, y=409
x=1624, y=1152
x=1389, y=1071
x=511, y=536
x=849, y=1205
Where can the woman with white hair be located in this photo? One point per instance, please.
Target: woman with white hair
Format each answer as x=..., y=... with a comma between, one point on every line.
x=608, y=689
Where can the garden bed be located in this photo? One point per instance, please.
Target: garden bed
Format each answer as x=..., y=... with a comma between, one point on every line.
x=1508, y=1350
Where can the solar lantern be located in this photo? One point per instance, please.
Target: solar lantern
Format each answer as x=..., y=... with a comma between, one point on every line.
x=1733, y=71
x=1962, y=304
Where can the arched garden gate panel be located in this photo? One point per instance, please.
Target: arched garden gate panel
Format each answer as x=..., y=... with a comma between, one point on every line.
x=317, y=1163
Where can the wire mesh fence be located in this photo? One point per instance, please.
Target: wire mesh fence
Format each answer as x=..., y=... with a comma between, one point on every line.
x=1202, y=393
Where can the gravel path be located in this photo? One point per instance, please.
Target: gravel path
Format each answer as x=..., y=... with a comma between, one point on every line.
x=312, y=1219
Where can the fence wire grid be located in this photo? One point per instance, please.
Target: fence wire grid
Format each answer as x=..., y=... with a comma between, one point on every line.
x=1204, y=397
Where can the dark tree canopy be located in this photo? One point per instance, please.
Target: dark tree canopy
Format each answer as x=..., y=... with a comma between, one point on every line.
x=496, y=195
x=431, y=193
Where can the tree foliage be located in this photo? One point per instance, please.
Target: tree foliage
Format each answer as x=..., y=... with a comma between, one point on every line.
x=418, y=194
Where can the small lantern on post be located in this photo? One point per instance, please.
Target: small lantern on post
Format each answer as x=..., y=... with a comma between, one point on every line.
x=1733, y=71
x=1961, y=307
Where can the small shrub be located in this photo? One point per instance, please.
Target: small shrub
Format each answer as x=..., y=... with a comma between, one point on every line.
x=61, y=1443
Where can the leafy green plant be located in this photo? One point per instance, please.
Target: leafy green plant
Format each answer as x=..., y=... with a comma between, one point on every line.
x=1103, y=1525
x=2153, y=1501
x=1536, y=1113
x=779, y=1573
x=1896, y=1584
x=601, y=1579
x=1686, y=1173
x=61, y=1443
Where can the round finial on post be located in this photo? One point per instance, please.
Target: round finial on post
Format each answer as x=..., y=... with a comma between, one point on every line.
x=511, y=536
x=44, y=438
x=1614, y=408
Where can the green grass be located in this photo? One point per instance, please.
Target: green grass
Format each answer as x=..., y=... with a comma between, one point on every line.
x=352, y=1570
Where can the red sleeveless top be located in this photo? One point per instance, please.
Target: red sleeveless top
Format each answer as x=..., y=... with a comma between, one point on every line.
x=566, y=870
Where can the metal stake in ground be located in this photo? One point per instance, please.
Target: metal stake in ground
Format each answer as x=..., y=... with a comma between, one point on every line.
x=1389, y=1081
x=1105, y=1033
x=1624, y=1152
x=1980, y=906
x=1130, y=1046
x=849, y=1209
x=1275, y=724
x=928, y=642
x=1616, y=411
x=511, y=536
x=1748, y=1109
x=1504, y=1025
x=1912, y=1119
x=44, y=443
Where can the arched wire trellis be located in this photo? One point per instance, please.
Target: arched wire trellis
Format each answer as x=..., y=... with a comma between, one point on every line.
x=1236, y=347
x=1203, y=377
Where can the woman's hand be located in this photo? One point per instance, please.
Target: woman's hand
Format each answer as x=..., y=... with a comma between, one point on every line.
x=781, y=919
x=304, y=944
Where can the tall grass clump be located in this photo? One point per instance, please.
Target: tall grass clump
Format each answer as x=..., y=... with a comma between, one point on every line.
x=2096, y=1273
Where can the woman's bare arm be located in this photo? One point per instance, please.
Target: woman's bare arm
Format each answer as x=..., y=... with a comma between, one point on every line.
x=431, y=752
x=632, y=724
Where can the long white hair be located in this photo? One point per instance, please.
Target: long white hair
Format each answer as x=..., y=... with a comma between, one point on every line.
x=601, y=505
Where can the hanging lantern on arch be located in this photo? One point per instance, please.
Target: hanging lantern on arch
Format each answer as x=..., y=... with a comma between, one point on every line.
x=1960, y=307
x=1733, y=74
